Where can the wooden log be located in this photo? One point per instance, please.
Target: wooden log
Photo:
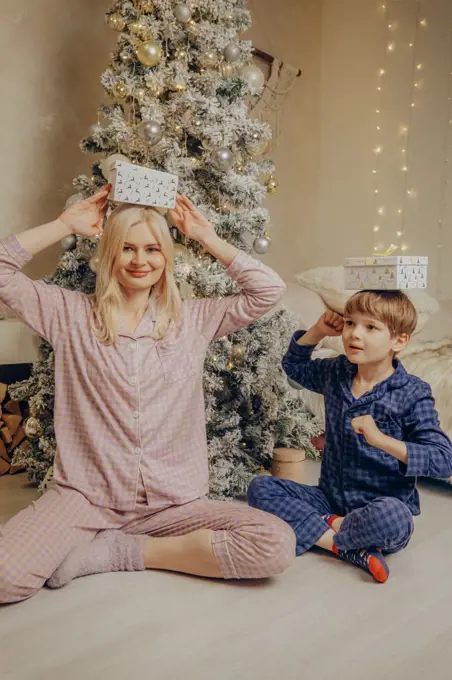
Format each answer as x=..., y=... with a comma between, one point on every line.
x=14, y=469
x=12, y=422
x=3, y=391
x=12, y=406
x=17, y=439
x=3, y=452
x=4, y=467
x=6, y=435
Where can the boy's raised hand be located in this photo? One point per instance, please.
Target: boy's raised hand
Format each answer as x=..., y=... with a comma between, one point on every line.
x=330, y=324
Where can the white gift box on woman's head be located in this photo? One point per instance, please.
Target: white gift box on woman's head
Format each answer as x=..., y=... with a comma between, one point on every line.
x=142, y=186
x=391, y=272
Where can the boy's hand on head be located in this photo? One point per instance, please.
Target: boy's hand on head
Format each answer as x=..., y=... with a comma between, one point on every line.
x=330, y=324
x=367, y=426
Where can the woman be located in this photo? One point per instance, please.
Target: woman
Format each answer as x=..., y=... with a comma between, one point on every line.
x=131, y=466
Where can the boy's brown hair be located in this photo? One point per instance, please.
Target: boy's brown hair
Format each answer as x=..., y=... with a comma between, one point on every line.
x=391, y=307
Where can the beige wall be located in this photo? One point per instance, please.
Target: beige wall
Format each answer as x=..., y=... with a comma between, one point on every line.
x=326, y=208
x=53, y=53
x=354, y=36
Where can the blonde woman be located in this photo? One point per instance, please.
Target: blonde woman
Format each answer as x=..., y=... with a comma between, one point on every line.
x=131, y=468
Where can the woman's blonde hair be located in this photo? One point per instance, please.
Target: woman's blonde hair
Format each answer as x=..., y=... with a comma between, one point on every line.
x=108, y=297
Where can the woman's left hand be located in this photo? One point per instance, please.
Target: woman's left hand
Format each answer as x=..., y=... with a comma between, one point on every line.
x=189, y=220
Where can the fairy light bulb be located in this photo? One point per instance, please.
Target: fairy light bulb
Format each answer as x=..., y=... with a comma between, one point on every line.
x=423, y=22
x=376, y=228
x=378, y=150
x=391, y=47
x=381, y=211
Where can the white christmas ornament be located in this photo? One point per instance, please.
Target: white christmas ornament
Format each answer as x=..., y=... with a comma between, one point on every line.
x=254, y=78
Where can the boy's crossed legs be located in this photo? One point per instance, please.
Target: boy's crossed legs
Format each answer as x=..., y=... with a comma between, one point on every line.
x=383, y=525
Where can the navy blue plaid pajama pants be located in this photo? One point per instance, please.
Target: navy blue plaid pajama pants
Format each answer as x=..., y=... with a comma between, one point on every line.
x=385, y=523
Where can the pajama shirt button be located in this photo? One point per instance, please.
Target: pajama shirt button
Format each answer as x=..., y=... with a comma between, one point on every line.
x=133, y=381
x=132, y=345
x=137, y=451
x=135, y=414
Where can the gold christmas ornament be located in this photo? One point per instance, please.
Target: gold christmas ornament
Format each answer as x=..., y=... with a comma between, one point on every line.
x=33, y=428
x=154, y=88
x=94, y=263
x=144, y=6
x=237, y=353
x=257, y=148
x=138, y=27
x=141, y=95
x=149, y=53
x=116, y=22
x=120, y=90
x=226, y=69
x=209, y=59
x=272, y=184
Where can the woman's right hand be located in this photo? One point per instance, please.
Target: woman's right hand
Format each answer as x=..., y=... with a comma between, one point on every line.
x=86, y=218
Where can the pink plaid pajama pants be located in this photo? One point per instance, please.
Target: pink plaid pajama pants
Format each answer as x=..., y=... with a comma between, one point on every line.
x=247, y=543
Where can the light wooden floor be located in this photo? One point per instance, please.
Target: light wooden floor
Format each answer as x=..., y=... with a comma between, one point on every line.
x=322, y=620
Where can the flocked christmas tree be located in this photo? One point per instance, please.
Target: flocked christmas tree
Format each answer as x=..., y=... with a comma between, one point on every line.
x=180, y=83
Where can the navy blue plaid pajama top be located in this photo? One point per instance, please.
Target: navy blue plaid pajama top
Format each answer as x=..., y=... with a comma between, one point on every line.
x=353, y=473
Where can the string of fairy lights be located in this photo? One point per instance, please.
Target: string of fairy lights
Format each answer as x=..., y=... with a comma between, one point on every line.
x=445, y=176
x=384, y=214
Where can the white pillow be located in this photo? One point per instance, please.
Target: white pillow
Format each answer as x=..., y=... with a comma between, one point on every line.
x=307, y=306
x=328, y=282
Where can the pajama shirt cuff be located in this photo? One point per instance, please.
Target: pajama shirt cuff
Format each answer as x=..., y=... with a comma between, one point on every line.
x=16, y=251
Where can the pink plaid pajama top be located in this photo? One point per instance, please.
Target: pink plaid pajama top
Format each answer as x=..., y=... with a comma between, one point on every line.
x=132, y=413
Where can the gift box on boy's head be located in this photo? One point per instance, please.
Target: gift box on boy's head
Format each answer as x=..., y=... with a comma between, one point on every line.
x=142, y=186
x=385, y=272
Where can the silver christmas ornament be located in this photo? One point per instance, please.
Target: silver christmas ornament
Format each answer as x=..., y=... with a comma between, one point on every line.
x=69, y=242
x=231, y=52
x=294, y=384
x=254, y=78
x=150, y=131
x=222, y=159
x=261, y=245
x=182, y=12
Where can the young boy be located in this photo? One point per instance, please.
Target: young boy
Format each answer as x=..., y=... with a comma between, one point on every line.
x=382, y=431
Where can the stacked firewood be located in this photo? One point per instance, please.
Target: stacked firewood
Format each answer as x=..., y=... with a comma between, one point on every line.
x=12, y=434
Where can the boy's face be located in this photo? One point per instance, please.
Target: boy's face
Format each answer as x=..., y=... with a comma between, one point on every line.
x=368, y=341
